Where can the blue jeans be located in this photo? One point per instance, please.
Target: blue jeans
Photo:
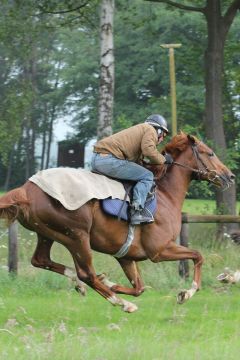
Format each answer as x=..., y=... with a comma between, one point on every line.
x=125, y=170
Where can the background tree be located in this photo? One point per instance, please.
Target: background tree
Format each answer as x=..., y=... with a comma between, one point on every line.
x=33, y=98
x=65, y=60
x=106, y=90
x=219, y=16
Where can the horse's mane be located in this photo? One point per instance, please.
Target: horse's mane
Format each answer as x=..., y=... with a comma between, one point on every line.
x=177, y=144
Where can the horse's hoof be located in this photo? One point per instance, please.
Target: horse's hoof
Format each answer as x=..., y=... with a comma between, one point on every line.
x=129, y=307
x=182, y=297
x=81, y=290
x=225, y=278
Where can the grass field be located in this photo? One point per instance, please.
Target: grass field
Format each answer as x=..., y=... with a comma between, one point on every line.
x=202, y=206
x=45, y=319
x=42, y=317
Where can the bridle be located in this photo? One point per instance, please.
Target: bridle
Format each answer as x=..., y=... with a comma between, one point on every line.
x=211, y=175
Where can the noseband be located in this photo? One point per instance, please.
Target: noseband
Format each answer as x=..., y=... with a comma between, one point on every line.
x=211, y=175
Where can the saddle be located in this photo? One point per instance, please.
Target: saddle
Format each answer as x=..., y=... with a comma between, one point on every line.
x=121, y=208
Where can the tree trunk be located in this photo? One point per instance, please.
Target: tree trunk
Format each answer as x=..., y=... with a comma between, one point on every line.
x=213, y=78
x=27, y=153
x=9, y=171
x=106, y=91
x=20, y=145
x=50, y=135
x=43, y=149
x=33, y=140
x=214, y=58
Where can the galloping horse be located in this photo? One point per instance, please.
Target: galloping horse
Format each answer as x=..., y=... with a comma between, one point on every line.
x=89, y=227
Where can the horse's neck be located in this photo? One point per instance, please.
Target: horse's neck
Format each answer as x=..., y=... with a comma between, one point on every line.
x=176, y=181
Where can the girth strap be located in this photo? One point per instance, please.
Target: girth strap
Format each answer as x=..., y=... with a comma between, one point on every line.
x=124, y=249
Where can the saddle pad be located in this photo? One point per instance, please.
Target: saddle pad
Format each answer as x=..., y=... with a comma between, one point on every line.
x=74, y=187
x=113, y=207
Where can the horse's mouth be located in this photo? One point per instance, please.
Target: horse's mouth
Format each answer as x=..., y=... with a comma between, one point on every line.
x=223, y=181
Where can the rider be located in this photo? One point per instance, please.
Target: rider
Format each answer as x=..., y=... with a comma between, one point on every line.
x=119, y=155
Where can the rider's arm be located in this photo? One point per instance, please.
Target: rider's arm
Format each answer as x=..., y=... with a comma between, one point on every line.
x=149, y=147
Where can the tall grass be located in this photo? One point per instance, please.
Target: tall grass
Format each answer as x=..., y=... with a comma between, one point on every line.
x=45, y=319
x=42, y=317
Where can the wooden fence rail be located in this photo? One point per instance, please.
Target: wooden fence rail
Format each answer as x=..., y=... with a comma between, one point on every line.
x=186, y=219
x=189, y=219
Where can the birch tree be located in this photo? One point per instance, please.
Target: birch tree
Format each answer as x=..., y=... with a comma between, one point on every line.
x=106, y=90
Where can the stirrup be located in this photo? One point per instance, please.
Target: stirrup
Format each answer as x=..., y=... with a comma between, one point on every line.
x=137, y=217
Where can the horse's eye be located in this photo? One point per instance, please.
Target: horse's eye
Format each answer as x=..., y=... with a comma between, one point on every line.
x=211, y=154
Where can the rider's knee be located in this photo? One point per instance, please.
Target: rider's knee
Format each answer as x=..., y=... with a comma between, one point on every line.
x=149, y=176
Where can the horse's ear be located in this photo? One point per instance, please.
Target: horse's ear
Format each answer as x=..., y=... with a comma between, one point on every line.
x=192, y=139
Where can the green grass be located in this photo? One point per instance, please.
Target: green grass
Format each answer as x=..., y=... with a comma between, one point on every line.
x=199, y=206
x=42, y=317
x=47, y=320
x=202, y=206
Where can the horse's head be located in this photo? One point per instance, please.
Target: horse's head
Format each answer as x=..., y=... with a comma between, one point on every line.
x=200, y=159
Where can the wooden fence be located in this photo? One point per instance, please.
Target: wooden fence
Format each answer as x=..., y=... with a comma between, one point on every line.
x=13, y=248
x=186, y=219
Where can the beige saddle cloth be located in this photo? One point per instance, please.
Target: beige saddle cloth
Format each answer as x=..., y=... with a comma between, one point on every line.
x=74, y=187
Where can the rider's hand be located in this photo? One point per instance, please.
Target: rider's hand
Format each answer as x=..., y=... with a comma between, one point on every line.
x=168, y=159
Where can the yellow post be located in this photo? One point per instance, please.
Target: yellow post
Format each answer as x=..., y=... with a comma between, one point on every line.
x=171, y=48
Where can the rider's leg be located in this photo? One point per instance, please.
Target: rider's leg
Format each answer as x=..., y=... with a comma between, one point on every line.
x=126, y=170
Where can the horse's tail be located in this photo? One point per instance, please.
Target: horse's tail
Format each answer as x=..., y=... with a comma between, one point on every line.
x=12, y=203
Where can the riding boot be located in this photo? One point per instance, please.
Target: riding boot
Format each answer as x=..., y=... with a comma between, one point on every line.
x=140, y=216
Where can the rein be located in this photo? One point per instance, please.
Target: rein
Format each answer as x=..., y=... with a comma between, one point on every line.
x=211, y=174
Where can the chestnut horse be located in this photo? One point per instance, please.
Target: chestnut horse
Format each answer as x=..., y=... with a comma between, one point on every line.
x=89, y=227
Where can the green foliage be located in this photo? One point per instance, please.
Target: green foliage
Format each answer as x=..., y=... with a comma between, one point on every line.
x=68, y=12
x=80, y=75
x=33, y=86
x=49, y=68
x=122, y=123
x=200, y=190
x=142, y=69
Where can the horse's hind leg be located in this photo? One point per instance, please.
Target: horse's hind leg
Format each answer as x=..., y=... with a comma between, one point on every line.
x=42, y=259
x=131, y=270
x=82, y=256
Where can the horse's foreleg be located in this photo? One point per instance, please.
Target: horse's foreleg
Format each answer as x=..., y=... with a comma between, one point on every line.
x=82, y=256
x=176, y=252
x=42, y=259
x=130, y=269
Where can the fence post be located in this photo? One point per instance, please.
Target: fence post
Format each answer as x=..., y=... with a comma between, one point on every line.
x=13, y=248
x=183, y=264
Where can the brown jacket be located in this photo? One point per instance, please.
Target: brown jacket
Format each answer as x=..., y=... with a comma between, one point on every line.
x=132, y=144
